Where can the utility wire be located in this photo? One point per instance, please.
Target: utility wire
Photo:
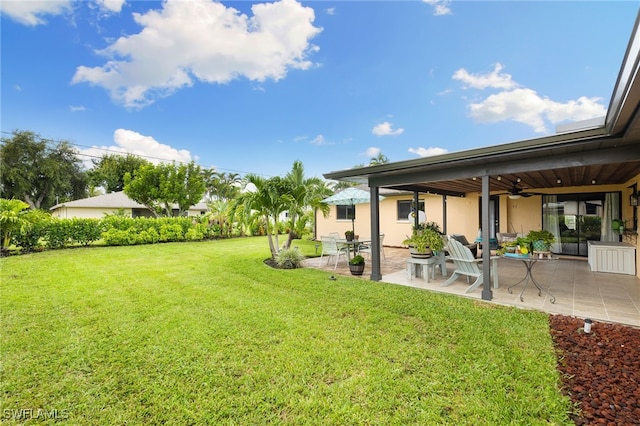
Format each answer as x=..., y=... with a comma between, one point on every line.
x=111, y=151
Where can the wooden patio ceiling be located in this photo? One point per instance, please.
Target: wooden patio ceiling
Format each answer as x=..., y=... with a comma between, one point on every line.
x=612, y=161
x=538, y=180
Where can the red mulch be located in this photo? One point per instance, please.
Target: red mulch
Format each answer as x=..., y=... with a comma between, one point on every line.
x=600, y=370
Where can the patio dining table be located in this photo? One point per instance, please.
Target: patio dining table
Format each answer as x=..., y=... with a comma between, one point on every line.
x=352, y=245
x=529, y=261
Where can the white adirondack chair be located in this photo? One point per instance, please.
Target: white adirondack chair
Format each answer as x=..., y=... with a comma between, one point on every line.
x=465, y=264
x=330, y=248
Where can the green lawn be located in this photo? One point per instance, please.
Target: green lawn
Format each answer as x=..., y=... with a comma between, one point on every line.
x=205, y=333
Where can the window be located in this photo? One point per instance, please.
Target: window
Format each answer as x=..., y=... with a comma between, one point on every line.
x=346, y=212
x=405, y=207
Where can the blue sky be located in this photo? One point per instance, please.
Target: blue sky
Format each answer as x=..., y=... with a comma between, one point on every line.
x=251, y=87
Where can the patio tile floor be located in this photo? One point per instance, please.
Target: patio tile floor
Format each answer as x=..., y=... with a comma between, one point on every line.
x=579, y=292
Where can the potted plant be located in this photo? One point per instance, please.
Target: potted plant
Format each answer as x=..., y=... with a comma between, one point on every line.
x=507, y=247
x=356, y=265
x=348, y=235
x=541, y=240
x=618, y=225
x=425, y=239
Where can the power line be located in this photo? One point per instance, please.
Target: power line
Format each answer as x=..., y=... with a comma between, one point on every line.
x=77, y=145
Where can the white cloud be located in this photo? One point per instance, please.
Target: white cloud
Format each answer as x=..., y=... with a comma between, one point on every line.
x=205, y=41
x=78, y=108
x=440, y=7
x=372, y=151
x=527, y=107
x=112, y=6
x=318, y=140
x=523, y=105
x=386, y=129
x=428, y=152
x=330, y=11
x=494, y=79
x=128, y=141
x=17, y=88
x=32, y=12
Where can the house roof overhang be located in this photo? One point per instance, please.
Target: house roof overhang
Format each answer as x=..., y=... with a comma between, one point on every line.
x=605, y=152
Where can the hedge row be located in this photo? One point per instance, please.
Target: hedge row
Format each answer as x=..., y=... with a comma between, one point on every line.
x=112, y=230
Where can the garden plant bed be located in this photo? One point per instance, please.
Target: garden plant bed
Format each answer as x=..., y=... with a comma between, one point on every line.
x=600, y=370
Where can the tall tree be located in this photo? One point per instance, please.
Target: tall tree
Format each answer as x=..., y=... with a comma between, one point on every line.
x=221, y=185
x=40, y=173
x=270, y=197
x=108, y=172
x=160, y=187
x=305, y=193
x=379, y=159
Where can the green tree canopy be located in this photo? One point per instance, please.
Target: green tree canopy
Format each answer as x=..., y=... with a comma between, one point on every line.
x=39, y=172
x=161, y=186
x=108, y=172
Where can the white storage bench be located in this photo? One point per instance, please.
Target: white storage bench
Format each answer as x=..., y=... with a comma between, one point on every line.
x=606, y=256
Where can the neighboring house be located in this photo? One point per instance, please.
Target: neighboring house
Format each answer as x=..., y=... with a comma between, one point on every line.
x=97, y=207
x=573, y=183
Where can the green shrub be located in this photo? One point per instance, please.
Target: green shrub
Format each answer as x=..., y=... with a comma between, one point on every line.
x=171, y=233
x=58, y=233
x=116, y=237
x=30, y=237
x=85, y=231
x=194, y=234
x=289, y=258
x=118, y=222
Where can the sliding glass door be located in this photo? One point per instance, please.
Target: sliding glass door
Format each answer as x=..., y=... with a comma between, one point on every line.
x=577, y=218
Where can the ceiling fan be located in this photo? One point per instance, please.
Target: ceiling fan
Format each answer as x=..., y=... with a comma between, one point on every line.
x=516, y=192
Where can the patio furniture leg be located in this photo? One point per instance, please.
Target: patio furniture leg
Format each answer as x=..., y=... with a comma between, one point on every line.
x=451, y=279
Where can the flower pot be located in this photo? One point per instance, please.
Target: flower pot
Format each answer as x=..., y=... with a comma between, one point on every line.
x=349, y=237
x=356, y=269
x=540, y=246
x=418, y=254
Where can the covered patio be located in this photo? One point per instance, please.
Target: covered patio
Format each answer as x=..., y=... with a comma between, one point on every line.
x=599, y=153
x=579, y=292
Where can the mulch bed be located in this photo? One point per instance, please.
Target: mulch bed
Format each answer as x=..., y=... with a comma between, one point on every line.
x=600, y=370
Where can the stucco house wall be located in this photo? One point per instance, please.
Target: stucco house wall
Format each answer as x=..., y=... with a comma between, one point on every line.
x=462, y=218
x=520, y=215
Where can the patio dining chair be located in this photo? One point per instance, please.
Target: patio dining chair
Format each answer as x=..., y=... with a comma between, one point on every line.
x=330, y=248
x=466, y=264
x=366, y=248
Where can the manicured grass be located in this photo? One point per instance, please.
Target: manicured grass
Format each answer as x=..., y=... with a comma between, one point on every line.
x=205, y=333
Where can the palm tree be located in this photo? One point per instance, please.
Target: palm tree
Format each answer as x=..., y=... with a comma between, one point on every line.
x=339, y=185
x=220, y=213
x=226, y=186
x=209, y=176
x=270, y=198
x=12, y=219
x=379, y=159
x=305, y=193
